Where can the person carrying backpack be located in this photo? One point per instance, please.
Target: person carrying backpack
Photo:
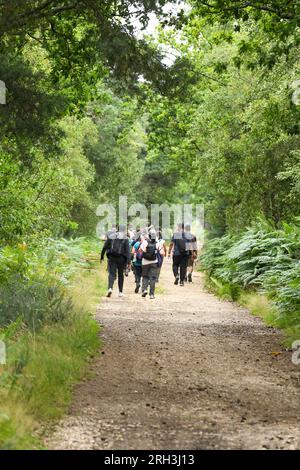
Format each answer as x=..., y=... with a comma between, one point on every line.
x=118, y=254
x=179, y=248
x=149, y=249
x=137, y=263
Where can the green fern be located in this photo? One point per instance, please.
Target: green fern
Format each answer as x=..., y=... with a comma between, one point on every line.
x=261, y=258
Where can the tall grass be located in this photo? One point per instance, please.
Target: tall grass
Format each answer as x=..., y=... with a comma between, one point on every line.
x=51, y=334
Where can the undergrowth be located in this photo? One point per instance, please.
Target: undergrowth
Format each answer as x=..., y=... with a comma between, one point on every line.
x=260, y=269
x=48, y=297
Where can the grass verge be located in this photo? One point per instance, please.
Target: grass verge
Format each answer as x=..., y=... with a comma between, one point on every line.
x=43, y=366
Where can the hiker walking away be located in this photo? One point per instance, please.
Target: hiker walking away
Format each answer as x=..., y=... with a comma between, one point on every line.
x=117, y=250
x=137, y=256
x=149, y=248
x=162, y=253
x=179, y=248
x=193, y=252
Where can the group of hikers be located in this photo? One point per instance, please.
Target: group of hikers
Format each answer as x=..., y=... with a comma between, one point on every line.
x=143, y=252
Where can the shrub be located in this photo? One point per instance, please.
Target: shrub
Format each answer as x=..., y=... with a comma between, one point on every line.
x=13, y=262
x=263, y=259
x=36, y=302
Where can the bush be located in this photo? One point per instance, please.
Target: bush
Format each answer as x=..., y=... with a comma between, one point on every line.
x=262, y=259
x=284, y=289
x=36, y=302
x=32, y=281
x=12, y=262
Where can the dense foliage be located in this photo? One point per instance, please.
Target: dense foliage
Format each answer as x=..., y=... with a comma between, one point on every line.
x=231, y=140
x=261, y=258
x=201, y=112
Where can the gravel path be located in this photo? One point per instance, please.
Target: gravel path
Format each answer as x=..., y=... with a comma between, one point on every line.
x=183, y=371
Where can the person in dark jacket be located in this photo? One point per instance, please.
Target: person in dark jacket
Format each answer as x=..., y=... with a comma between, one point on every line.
x=117, y=250
x=180, y=250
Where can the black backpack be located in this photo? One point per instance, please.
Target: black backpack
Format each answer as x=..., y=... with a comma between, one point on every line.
x=151, y=251
x=182, y=245
x=117, y=247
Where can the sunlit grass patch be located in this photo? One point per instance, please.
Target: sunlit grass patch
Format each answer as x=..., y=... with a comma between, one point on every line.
x=89, y=285
x=259, y=305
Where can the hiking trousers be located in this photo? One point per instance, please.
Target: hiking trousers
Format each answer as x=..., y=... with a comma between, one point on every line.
x=116, y=265
x=149, y=272
x=180, y=263
x=137, y=273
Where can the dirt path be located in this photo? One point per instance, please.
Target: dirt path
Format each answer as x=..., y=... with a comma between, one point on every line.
x=184, y=371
